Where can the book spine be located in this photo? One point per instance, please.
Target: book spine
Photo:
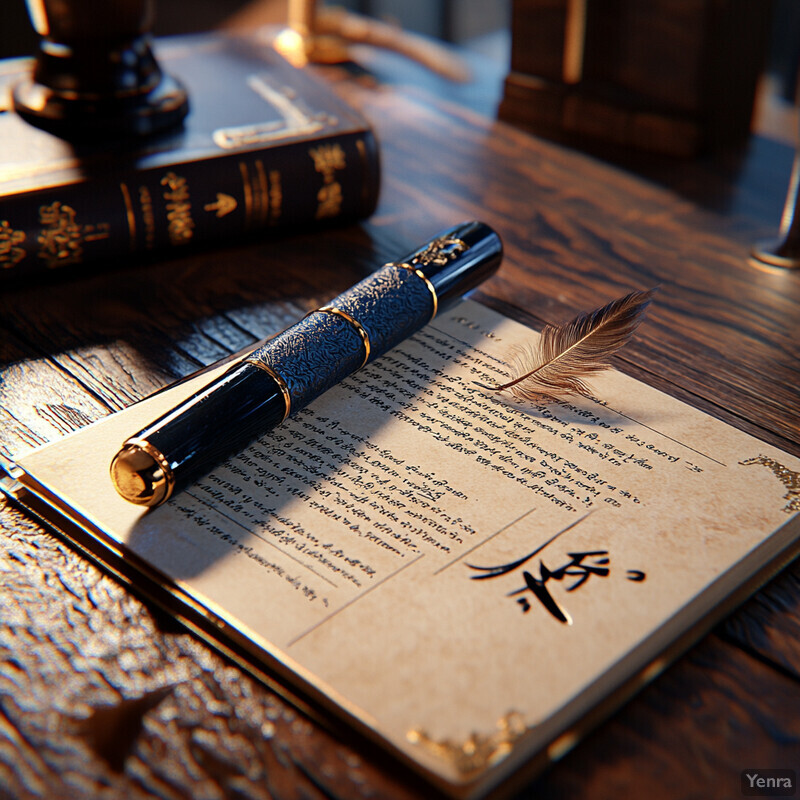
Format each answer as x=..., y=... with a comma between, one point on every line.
x=221, y=199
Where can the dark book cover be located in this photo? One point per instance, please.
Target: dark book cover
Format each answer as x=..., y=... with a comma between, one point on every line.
x=265, y=145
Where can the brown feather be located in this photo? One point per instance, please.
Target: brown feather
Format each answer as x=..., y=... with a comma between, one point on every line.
x=567, y=353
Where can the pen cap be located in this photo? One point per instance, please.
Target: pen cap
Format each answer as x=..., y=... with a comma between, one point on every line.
x=472, y=251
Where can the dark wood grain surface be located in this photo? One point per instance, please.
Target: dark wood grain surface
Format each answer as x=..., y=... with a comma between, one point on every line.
x=103, y=696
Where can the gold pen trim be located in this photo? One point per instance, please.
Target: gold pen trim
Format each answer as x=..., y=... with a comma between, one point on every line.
x=146, y=483
x=282, y=385
x=424, y=278
x=360, y=329
x=247, y=188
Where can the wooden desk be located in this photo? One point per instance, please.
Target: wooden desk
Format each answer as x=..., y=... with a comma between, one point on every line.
x=101, y=696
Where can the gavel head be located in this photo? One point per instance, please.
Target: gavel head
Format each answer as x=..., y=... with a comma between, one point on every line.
x=95, y=74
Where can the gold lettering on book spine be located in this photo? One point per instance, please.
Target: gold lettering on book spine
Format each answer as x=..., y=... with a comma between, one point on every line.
x=180, y=225
x=263, y=192
x=60, y=239
x=275, y=196
x=148, y=217
x=247, y=190
x=328, y=160
x=258, y=202
x=479, y=750
x=10, y=252
x=222, y=206
x=130, y=216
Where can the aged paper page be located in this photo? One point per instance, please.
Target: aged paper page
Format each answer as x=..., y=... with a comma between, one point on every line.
x=444, y=562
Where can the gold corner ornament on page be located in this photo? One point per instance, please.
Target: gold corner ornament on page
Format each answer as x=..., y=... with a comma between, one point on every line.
x=479, y=750
x=789, y=478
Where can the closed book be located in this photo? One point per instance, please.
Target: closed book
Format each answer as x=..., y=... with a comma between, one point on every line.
x=265, y=146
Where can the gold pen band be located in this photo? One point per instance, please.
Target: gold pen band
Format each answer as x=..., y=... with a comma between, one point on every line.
x=282, y=385
x=424, y=278
x=360, y=329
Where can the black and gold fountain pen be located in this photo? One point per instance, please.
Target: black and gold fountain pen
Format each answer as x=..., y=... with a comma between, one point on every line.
x=301, y=363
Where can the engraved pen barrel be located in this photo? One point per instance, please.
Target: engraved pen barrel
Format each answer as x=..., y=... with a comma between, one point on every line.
x=303, y=362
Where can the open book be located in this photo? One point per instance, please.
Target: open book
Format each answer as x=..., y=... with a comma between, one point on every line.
x=468, y=581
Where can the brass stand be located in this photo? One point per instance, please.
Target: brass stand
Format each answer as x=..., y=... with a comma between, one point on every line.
x=325, y=36
x=785, y=250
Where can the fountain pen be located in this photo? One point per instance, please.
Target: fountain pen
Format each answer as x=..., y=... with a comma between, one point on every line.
x=289, y=371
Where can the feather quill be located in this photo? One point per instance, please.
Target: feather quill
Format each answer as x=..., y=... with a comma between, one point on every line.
x=568, y=353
